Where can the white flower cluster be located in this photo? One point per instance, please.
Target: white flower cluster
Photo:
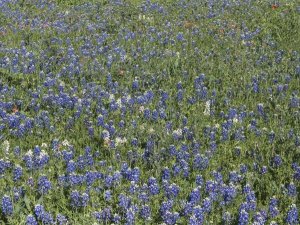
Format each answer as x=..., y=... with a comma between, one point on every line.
x=66, y=143
x=207, y=108
x=120, y=141
x=6, y=146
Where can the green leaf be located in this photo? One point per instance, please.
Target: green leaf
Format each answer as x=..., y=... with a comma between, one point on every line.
x=27, y=203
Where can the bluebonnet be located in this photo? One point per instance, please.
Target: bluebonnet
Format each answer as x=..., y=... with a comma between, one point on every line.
x=109, y=181
x=18, y=193
x=198, y=212
x=81, y=162
x=145, y=212
x=147, y=113
x=260, y=218
x=243, y=217
x=179, y=97
x=200, y=162
x=36, y=150
x=40, y=159
x=67, y=155
x=135, y=174
x=124, y=201
x=247, y=189
x=251, y=200
x=47, y=218
x=292, y=217
x=55, y=144
x=172, y=150
x=186, y=171
x=154, y=188
x=91, y=177
x=144, y=197
x=104, y=215
x=75, y=179
x=166, y=175
x=297, y=141
x=135, y=84
x=195, y=196
x=61, y=219
x=107, y=195
x=229, y=192
x=43, y=215
x=199, y=180
x=273, y=210
x=28, y=158
x=91, y=131
x=30, y=182
x=100, y=121
x=116, y=218
x=71, y=166
x=166, y=206
x=180, y=36
x=207, y=205
x=17, y=173
x=243, y=168
x=133, y=188
x=292, y=190
x=218, y=177
x=75, y=199
x=130, y=217
x=134, y=142
x=227, y=217
x=155, y=115
x=296, y=175
x=193, y=220
x=211, y=187
x=172, y=191
x=264, y=170
x=30, y=220
x=84, y=199
x=176, y=169
x=170, y=218
x=44, y=185
x=17, y=151
x=187, y=208
x=7, y=205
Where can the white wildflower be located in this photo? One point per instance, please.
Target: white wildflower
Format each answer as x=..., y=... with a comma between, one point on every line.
x=111, y=97
x=141, y=109
x=235, y=120
x=6, y=146
x=151, y=130
x=119, y=102
x=105, y=134
x=65, y=143
x=120, y=141
x=44, y=145
x=43, y=153
x=177, y=133
x=207, y=108
x=29, y=153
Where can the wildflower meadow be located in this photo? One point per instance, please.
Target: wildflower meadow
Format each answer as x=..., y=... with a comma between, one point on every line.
x=144, y=112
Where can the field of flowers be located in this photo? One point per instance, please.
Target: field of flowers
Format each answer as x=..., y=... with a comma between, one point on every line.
x=149, y=112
